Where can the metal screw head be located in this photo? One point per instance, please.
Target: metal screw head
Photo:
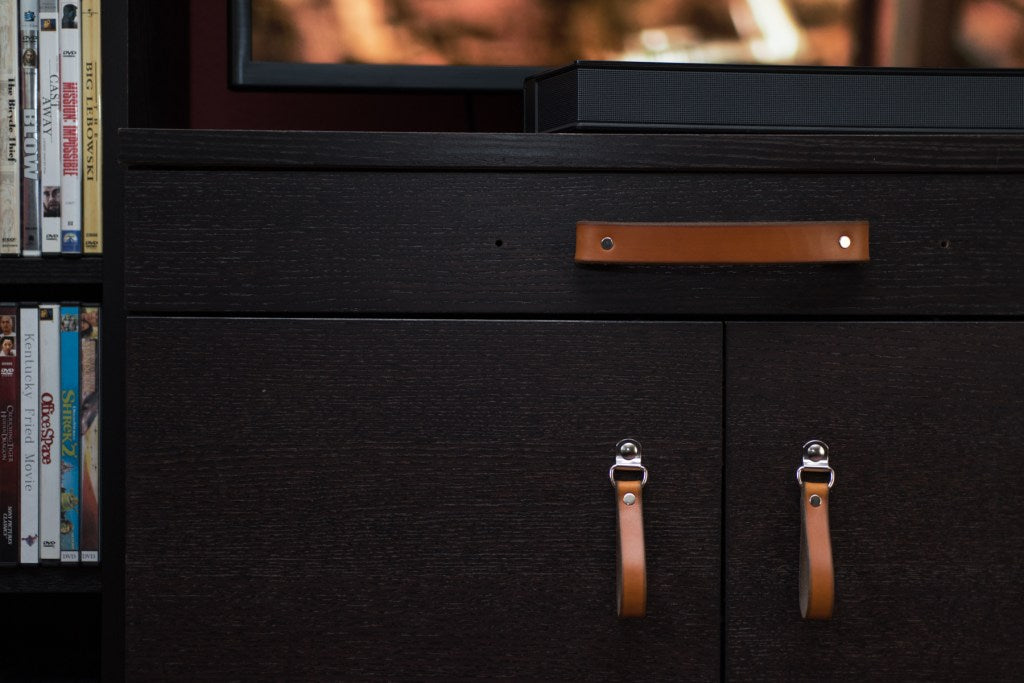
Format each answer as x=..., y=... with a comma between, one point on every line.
x=845, y=242
x=628, y=450
x=607, y=243
x=815, y=500
x=629, y=499
x=816, y=451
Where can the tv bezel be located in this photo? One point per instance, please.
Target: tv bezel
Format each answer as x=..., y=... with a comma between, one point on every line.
x=247, y=73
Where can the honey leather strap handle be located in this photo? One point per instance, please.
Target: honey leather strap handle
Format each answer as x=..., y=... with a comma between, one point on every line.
x=632, y=555
x=817, y=583
x=721, y=243
x=817, y=576
x=632, y=582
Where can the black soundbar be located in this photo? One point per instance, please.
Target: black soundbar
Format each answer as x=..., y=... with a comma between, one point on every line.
x=641, y=97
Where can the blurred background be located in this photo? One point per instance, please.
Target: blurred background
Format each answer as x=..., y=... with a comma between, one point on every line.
x=904, y=33
x=987, y=33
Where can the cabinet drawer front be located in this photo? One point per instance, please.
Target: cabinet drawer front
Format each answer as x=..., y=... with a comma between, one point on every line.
x=312, y=498
x=924, y=423
x=504, y=242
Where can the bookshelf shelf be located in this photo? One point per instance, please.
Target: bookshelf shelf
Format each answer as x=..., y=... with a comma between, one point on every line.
x=50, y=579
x=57, y=271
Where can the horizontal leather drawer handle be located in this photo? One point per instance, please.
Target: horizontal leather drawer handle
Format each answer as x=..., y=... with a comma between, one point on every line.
x=708, y=243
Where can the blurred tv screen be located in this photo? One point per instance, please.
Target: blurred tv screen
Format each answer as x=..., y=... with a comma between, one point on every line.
x=551, y=32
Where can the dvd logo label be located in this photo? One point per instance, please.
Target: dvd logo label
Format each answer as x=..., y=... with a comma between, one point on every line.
x=47, y=407
x=68, y=416
x=7, y=372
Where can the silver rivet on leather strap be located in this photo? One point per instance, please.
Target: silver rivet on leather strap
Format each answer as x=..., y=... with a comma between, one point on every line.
x=815, y=500
x=629, y=499
x=607, y=243
x=845, y=242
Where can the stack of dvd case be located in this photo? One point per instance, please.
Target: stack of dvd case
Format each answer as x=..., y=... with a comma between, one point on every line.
x=51, y=134
x=49, y=434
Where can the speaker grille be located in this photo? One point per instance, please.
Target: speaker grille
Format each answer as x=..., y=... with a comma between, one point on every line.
x=716, y=98
x=558, y=101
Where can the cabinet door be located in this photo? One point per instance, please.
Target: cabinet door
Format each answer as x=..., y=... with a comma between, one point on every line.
x=314, y=498
x=924, y=422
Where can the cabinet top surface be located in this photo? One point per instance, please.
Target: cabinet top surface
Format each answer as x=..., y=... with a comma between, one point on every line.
x=1001, y=153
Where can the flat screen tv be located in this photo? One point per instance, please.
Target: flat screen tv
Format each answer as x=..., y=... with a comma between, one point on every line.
x=493, y=45
x=369, y=53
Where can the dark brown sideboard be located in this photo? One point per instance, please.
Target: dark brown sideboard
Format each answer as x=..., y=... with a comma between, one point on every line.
x=372, y=402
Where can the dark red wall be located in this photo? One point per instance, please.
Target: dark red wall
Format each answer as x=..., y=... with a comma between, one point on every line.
x=214, y=105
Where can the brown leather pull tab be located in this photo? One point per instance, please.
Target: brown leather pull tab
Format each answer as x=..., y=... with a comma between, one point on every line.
x=726, y=243
x=817, y=582
x=632, y=555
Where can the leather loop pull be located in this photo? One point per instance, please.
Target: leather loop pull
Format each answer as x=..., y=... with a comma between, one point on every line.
x=632, y=573
x=721, y=243
x=817, y=582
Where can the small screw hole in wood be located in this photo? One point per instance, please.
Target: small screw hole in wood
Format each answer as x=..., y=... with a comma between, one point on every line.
x=498, y=243
x=945, y=244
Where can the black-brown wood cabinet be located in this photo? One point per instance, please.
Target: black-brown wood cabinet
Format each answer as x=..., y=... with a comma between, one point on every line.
x=372, y=403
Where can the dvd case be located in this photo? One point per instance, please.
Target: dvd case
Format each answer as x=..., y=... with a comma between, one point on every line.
x=10, y=132
x=49, y=126
x=49, y=434
x=28, y=353
x=10, y=441
x=89, y=412
x=70, y=465
x=92, y=130
x=70, y=38
x=29, y=129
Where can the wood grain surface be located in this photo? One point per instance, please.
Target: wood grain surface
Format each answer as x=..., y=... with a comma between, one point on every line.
x=313, y=150
x=415, y=242
x=50, y=579
x=332, y=499
x=924, y=422
x=51, y=271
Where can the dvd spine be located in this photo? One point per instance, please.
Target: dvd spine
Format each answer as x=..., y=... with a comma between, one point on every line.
x=49, y=435
x=70, y=38
x=92, y=129
x=49, y=126
x=89, y=412
x=10, y=132
x=28, y=352
x=70, y=446
x=9, y=435
x=29, y=128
